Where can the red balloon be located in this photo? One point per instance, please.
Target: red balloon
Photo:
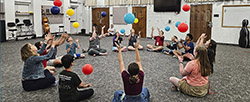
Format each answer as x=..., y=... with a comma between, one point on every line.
x=183, y=27
x=186, y=7
x=87, y=69
x=57, y=3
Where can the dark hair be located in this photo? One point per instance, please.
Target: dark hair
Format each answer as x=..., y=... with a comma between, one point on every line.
x=133, y=69
x=95, y=25
x=67, y=60
x=162, y=32
x=212, y=46
x=212, y=50
x=38, y=44
x=190, y=36
x=176, y=37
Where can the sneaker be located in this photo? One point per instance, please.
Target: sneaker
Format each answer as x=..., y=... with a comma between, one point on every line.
x=83, y=51
x=150, y=50
x=164, y=51
x=174, y=56
x=55, y=83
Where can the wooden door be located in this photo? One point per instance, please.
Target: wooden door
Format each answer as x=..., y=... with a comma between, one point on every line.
x=201, y=20
x=141, y=14
x=99, y=20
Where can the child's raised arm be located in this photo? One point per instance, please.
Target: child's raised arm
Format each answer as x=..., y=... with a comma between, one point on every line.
x=122, y=67
x=138, y=58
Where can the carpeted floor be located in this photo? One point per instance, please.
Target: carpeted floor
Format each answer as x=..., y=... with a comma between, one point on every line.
x=230, y=81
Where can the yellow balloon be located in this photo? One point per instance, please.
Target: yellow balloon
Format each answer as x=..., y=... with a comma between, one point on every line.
x=75, y=24
x=70, y=12
x=136, y=20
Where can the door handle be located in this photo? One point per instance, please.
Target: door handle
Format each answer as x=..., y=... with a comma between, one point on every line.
x=210, y=24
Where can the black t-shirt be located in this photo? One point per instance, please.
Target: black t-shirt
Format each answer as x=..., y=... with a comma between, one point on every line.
x=132, y=40
x=172, y=46
x=68, y=83
x=119, y=41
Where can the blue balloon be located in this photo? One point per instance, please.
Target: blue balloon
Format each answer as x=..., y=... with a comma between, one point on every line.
x=177, y=23
x=129, y=18
x=103, y=13
x=122, y=31
x=55, y=10
x=167, y=28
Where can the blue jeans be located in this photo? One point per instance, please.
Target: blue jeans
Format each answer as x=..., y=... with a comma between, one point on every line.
x=143, y=97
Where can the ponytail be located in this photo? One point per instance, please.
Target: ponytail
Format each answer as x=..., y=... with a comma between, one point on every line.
x=133, y=79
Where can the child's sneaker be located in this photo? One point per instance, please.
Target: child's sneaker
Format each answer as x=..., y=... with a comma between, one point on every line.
x=83, y=51
x=150, y=50
x=174, y=56
x=164, y=51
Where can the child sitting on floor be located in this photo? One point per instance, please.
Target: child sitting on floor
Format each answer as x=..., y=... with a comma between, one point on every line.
x=69, y=82
x=132, y=80
x=34, y=76
x=172, y=46
x=71, y=48
x=117, y=39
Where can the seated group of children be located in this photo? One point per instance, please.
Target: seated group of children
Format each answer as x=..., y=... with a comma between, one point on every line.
x=40, y=58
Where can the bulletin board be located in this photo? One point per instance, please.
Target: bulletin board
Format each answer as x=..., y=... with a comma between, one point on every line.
x=118, y=15
x=233, y=15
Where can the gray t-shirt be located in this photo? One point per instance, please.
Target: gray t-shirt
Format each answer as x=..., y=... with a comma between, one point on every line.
x=94, y=43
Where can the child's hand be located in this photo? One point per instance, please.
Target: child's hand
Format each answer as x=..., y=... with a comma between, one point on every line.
x=103, y=27
x=89, y=85
x=77, y=40
x=94, y=28
x=139, y=32
x=48, y=36
x=181, y=40
x=153, y=29
x=203, y=35
x=180, y=59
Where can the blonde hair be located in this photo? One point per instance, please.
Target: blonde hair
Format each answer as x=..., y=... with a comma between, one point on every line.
x=202, y=57
x=26, y=52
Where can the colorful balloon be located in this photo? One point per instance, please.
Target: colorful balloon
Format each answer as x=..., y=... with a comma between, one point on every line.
x=177, y=23
x=183, y=27
x=57, y=3
x=87, y=69
x=75, y=24
x=70, y=12
x=103, y=13
x=186, y=7
x=122, y=31
x=55, y=10
x=129, y=18
x=136, y=20
x=167, y=28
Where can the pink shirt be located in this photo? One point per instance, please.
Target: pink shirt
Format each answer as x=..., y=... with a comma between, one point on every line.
x=195, y=78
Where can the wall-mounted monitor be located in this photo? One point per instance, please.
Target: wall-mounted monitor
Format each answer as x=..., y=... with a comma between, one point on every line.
x=167, y=5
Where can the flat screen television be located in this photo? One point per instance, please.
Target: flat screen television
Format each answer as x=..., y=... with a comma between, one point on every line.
x=167, y=5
